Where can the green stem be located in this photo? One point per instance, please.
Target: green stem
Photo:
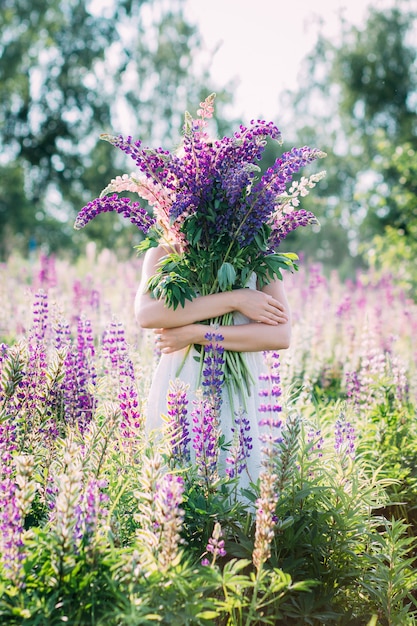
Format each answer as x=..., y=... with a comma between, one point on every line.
x=180, y=368
x=252, y=607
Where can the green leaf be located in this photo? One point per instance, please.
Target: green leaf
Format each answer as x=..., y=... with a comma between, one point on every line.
x=146, y=244
x=196, y=236
x=226, y=276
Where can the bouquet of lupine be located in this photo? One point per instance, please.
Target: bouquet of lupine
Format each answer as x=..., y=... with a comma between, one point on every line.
x=219, y=219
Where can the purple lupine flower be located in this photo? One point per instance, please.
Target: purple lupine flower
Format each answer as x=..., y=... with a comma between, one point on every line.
x=85, y=373
x=8, y=445
x=247, y=144
x=47, y=272
x=281, y=442
x=4, y=349
x=11, y=529
x=213, y=372
x=259, y=206
x=353, y=388
x=215, y=546
x=152, y=162
x=40, y=316
x=90, y=512
x=34, y=382
x=285, y=224
x=70, y=387
x=344, y=436
x=115, y=348
x=270, y=423
x=236, y=184
x=315, y=441
x=131, y=210
x=345, y=306
x=241, y=445
x=85, y=296
x=50, y=493
x=205, y=414
x=399, y=377
x=131, y=419
x=178, y=425
x=31, y=395
x=62, y=335
x=206, y=440
x=79, y=402
x=11, y=518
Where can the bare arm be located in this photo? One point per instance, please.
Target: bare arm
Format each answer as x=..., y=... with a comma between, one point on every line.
x=251, y=337
x=261, y=306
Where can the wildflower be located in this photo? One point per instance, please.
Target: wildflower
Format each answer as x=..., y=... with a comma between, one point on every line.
x=315, y=441
x=270, y=423
x=115, y=349
x=205, y=415
x=205, y=440
x=47, y=271
x=40, y=315
x=11, y=514
x=32, y=394
x=285, y=224
x=353, y=388
x=399, y=378
x=80, y=374
x=178, y=425
x=213, y=374
x=160, y=514
x=131, y=420
x=344, y=435
x=169, y=517
x=285, y=461
x=90, y=512
x=62, y=335
x=265, y=519
x=11, y=529
x=241, y=445
x=68, y=487
x=131, y=210
x=215, y=546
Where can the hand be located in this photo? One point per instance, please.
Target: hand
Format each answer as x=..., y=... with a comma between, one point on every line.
x=172, y=339
x=260, y=306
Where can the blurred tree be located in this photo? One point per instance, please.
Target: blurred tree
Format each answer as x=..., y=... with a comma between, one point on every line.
x=395, y=250
x=358, y=95
x=69, y=70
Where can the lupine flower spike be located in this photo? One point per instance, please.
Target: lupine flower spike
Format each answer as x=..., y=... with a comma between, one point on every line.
x=205, y=416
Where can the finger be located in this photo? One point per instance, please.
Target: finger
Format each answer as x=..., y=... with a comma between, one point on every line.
x=278, y=318
x=267, y=320
x=277, y=306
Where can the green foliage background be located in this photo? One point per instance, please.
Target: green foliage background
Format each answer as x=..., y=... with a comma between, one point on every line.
x=68, y=72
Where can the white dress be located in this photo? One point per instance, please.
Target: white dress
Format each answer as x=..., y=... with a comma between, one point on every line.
x=182, y=365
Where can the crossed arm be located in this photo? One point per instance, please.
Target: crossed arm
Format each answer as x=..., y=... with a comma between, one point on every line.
x=182, y=327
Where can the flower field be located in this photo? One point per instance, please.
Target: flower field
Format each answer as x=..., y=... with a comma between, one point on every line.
x=101, y=525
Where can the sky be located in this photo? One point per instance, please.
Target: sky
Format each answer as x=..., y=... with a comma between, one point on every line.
x=262, y=43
